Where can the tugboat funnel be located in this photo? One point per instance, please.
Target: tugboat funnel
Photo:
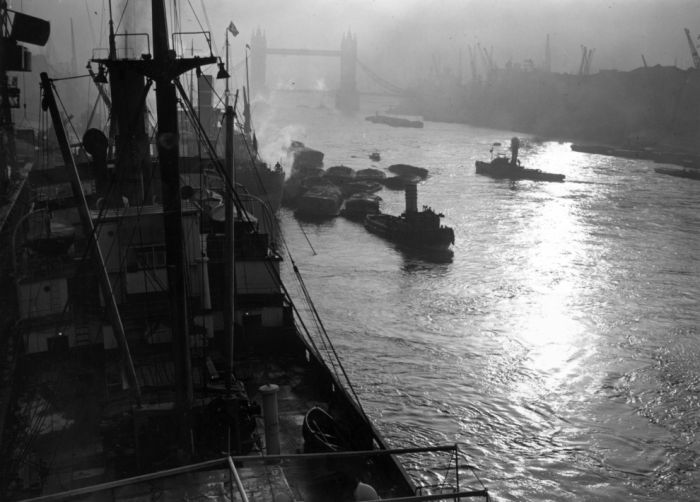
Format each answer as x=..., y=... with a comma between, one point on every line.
x=411, y=198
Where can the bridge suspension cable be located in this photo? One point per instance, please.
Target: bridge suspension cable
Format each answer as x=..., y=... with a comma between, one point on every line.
x=382, y=82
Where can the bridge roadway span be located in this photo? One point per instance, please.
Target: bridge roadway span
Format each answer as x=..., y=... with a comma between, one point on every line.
x=303, y=52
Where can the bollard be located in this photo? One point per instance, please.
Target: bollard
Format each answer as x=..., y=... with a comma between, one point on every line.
x=272, y=426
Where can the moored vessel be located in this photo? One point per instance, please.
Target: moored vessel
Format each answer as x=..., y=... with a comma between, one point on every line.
x=413, y=229
x=394, y=121
x=161, y=357
x=321, y=200
x=679, y=173
x=304, y=157
x=359, y=205
x=504, y=168
x=408, y=171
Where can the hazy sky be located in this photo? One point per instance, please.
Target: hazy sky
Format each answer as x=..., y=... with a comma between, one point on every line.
x=620, y=31
x=401, y=38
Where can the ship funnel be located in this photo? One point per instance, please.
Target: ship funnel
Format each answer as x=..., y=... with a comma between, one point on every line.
x=411, y=198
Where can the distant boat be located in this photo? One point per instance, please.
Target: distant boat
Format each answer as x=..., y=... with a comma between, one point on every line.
x=399, y=182
x=370, y=174
x=375, y=156
x=504, y=168
x=679, y=173
x=501, y=168
x=408, y=170
x=394, y=121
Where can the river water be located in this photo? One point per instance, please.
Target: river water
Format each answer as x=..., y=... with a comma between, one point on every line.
x=559, y=347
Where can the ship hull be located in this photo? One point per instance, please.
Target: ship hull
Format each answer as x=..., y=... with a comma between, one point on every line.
x=507, y=171
x=360, y=205
x=395, y=229
x=319, y=202
x=679, y=173
x=394, y=121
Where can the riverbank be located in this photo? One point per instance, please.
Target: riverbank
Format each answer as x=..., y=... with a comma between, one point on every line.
x=650, y=113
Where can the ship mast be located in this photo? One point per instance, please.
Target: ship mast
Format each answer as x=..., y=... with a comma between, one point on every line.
x=128, y=92
x=229, y=265
x=164, y=69
x=168, y=155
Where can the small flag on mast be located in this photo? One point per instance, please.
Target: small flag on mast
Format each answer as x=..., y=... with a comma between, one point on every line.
x=232, y=29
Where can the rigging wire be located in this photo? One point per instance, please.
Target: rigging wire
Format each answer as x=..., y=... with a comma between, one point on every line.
x=92, y=29
x=232, y=189
x=126, y=4
x=112, y=187
x=206, y=18
x=303, y=232
x=325, y=339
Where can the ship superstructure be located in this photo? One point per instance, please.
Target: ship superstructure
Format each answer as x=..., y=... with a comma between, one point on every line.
x=159, y=352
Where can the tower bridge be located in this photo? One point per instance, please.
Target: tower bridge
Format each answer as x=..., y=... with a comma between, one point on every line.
x=347, y=96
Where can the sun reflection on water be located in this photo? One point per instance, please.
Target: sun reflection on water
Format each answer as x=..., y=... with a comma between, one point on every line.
x=548, y=324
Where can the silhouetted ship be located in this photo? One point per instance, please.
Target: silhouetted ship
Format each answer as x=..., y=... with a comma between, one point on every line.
x=147, y=354
x=693, y=174
x=394, y=121
x=504, y=168
x=420, y=230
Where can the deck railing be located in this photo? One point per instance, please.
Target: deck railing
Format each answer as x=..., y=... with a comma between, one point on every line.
x=229, y=463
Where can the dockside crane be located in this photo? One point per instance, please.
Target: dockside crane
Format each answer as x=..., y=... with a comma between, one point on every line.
x=486, y=57
x=587, y=68
x=472, y=64
x=586, y=58
x=693, y=50
x=584, y=51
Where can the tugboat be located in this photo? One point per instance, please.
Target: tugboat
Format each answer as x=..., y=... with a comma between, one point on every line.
x=420, y=230
x=504, y=168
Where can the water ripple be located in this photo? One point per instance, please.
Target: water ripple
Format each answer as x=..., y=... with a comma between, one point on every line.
x=558, y=348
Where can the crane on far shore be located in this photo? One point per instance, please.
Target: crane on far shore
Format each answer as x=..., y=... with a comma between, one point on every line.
x=693, y=50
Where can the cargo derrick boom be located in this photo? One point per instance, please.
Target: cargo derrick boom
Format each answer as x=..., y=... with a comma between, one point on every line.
x=693, y=50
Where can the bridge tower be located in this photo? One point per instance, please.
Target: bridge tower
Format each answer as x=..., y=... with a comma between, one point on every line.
x=347, y=99
x=258, y=57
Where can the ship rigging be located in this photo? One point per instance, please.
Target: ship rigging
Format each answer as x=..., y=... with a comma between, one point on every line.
x=155, y=360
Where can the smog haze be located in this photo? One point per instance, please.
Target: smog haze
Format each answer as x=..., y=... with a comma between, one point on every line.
x=401, y=39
